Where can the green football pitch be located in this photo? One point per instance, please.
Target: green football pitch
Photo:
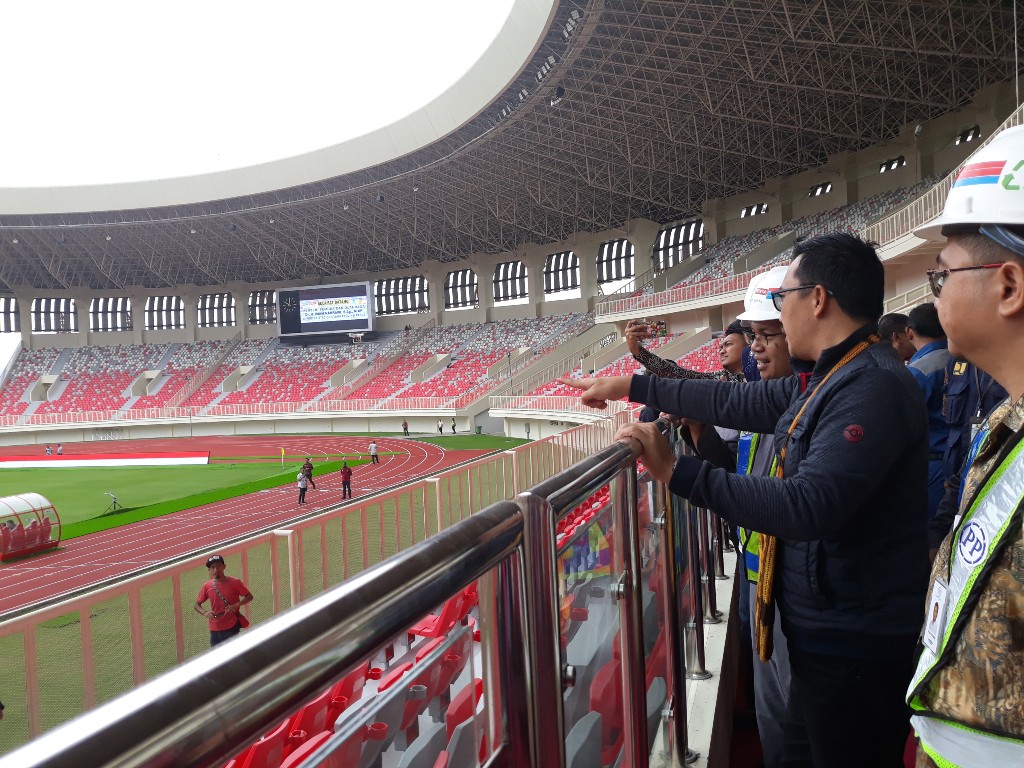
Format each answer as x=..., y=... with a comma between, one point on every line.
x=79, y=494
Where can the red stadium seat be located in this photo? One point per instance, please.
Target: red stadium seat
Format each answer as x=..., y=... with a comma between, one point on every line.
x=268, y=751
x=463, y=705
x=606, y=699
x=309, y=720
x=436, y=626
x=345, y=692
x=308, y=747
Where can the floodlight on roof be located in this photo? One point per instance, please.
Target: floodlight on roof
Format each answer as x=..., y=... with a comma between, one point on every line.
x=108, y=237
x=15, y=241
x=192, y=231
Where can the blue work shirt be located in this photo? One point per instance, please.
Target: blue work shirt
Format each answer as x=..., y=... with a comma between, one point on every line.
x=970, y=393
x=928, y=367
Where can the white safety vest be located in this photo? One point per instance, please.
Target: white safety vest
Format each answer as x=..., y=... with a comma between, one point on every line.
x=977, y=543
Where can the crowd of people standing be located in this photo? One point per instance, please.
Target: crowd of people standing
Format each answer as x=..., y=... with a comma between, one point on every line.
x=870, y=446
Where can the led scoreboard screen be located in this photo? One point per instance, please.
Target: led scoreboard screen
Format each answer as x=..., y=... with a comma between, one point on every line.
x=346, y=307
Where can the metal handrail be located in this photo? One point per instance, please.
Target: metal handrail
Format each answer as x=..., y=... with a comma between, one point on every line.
x=207, y=708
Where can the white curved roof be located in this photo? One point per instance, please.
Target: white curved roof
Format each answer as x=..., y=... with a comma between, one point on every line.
x=24, y=502
x=136, y=106
x=624, y=110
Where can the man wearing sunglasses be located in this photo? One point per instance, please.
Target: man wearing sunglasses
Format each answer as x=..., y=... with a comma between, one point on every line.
x=843, y=544
x=968, y=689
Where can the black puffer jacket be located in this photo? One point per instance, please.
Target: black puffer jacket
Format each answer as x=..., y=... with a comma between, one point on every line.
x=850, y=512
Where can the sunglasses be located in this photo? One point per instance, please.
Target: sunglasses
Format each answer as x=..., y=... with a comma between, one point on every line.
x=761, y=338
x=937, y=277
x=779, y=294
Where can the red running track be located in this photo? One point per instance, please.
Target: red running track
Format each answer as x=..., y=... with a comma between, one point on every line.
x=89, y=559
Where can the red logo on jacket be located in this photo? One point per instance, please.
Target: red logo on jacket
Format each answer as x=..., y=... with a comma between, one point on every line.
x=854, y=433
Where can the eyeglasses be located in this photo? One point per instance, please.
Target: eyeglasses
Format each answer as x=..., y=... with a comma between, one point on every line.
x=778, y=295
x=761, y=338
x=937, y=277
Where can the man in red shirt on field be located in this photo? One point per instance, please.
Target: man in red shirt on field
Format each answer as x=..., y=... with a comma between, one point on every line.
x=346, y=480
x=226, y=596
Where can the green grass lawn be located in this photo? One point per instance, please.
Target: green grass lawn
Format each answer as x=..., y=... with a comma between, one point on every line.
x=145, y=492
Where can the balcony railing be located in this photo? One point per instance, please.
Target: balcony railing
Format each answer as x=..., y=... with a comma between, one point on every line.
x=678, y=295
x=592, y=587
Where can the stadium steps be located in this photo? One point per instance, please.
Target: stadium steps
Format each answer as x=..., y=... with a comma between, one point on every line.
x=171, y=351
x=57, y=389
x=216, y=401
x=62, y=359
x=29, y=411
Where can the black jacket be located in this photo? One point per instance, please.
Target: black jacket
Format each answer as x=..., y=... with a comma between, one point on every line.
x=850, y=513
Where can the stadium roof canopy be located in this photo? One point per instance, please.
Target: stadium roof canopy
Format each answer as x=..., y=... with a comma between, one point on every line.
x=598, y=112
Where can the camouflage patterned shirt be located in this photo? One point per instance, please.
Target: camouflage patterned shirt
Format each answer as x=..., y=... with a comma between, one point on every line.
x=983, y=685
x=666, y=369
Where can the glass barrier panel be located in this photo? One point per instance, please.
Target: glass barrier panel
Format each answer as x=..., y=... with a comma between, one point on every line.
x=653, y=598
x=422, y=696
x=587, y=564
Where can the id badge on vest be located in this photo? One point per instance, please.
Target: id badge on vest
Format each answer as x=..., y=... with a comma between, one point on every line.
x=935, y=627
x=977, y=422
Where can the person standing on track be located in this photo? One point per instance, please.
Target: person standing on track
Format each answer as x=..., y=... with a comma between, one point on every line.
x=227, y=596
x=440, y=427
x=303, y=483
x=346, y=480
x=374, y=459
x=405, y=427
x=453, y=425
x=307, y=470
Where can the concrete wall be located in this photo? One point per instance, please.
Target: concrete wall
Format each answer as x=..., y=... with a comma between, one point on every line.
x=286, y=424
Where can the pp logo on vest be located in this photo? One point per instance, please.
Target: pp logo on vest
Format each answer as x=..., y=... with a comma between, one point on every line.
x=973, y=545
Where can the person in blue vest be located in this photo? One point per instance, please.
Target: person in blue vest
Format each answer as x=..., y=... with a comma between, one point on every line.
x=967, y=693
x=970, y=396
x=842, y=521
x=928, y=367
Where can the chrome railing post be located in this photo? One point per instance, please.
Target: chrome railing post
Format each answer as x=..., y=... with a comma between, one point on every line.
x=512, y=626
x=695, y=665
x=718, y=545
x=674, y=713
x=631, y=621
x=727, y=540
x=542, y=635
x=707, y=567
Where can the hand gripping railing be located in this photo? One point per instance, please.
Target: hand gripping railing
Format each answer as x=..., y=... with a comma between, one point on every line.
x=205, y=710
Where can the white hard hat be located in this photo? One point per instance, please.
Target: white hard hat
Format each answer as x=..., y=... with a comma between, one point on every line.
x=757, y=307
x=988, y=190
